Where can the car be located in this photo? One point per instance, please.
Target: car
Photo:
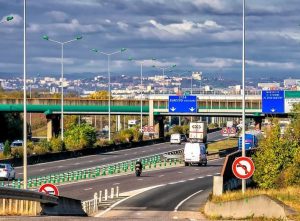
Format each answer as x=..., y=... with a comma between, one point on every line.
x=177, y=138
x=17, y=143
x=7, y=171
x=195, y=153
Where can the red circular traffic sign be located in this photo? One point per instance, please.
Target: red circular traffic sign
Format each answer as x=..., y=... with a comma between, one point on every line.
x=243, y=167
x=49, y=189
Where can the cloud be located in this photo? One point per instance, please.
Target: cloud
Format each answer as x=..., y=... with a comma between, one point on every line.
x=58, y=16
x=53, y=60
x=177, y=30
x=122, y=25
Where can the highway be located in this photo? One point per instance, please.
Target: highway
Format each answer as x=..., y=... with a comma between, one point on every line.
x=85, y=189
x=102, y=159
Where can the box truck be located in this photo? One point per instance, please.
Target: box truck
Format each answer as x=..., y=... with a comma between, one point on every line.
x=198, y=132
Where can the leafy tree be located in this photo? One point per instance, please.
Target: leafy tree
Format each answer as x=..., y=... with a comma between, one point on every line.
x=99, y=95
x=7, y=149
x=11, y=126
x=273, y=156
x=80, y=136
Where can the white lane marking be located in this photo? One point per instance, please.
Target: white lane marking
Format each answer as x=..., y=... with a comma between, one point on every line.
x=20, y=173
x=76, y=163
x=172, y=183
x=88, y=189
x=175, y=217
x=121, y=201
x=143, y=151
x=140, y=179
x=116, y=184
x=42, y=169
x=192, y=179
x=91, y=161
x=161, y=175
x=217, y=173
x=181, y=181
x=61, y=166
x=200, y=177
x=182, y=202
x=209, y=175
x=196, y=169
x=180, y=172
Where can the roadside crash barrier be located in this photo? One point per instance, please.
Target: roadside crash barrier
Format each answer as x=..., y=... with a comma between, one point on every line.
x=101, y=200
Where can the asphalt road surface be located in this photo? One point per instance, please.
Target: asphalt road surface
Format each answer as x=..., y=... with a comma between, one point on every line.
x=85, y=190
x=102, y=159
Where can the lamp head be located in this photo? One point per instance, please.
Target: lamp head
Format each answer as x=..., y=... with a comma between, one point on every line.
x=9, y=18
x=78, y=37
x=94, y=50
x=46, y=37
x=123, y=49
x=130, y=59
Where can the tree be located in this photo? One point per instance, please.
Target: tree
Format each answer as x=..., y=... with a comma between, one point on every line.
x=7, y=149
x=11, y=126
x=99, y=95
x=80, y=136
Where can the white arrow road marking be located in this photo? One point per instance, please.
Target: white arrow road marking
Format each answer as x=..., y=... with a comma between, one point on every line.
x=182, y=202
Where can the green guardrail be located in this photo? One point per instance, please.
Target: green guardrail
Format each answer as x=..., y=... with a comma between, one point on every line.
x=92, y=173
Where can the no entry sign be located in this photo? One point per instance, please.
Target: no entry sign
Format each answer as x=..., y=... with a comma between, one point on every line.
x=49, y=189
x=243, y=167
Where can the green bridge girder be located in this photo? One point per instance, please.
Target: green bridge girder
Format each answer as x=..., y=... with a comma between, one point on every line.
x=49, y=109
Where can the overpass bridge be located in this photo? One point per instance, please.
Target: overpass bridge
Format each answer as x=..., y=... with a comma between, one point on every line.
x=154, y=106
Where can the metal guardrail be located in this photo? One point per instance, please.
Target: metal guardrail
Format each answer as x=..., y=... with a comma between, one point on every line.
x=11, y=193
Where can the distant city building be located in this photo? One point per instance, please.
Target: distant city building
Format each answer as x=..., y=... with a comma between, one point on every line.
x=197, y=76
x=268, y=86
x=293, y=84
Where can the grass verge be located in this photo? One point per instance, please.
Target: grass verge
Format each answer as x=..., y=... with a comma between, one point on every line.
x=289, y=196
x=222, y=144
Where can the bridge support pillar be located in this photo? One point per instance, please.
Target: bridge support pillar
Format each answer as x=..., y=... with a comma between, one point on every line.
x=119, y=126
x=151, y=114
x=258, y=121
x=53, y=126
x=159, y=126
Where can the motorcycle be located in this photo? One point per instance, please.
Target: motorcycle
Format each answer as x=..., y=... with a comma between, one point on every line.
x=138, y=171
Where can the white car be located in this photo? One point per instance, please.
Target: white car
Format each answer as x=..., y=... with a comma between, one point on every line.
x=17, y=143
x=177, y=138
x=7, y=171
x=195, y=153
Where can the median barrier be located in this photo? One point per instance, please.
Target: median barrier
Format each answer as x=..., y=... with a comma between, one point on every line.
x=49, y=157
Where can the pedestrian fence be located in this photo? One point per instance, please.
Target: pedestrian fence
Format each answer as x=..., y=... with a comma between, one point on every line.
x=148, y=162
x=101, y=200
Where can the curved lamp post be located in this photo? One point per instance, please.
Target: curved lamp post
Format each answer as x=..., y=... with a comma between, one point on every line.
x=141, y=62
x=7, y=19
x=46, y=37
x=108, y=72
x=164, y=69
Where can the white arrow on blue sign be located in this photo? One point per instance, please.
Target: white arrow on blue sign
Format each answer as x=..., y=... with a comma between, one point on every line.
x=183, y=104
x=272, y=102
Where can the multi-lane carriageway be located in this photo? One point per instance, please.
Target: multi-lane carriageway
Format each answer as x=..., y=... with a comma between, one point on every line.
x=177, y=191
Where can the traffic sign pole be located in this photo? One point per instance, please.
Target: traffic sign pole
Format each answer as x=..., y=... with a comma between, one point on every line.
x=243, y=78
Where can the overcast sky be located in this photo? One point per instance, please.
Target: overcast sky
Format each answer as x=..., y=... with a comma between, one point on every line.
x=199, y=35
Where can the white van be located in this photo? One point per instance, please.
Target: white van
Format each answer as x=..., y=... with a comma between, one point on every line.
x=195, y=153
x=177, y=138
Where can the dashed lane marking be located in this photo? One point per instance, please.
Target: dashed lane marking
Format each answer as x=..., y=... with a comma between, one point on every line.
x=209, y=175
x=88, y=189
x=200, y=177
x=116, y=184
x=161, y=175
x=192, y=179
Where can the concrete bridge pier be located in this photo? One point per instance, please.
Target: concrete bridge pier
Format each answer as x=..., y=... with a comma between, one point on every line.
x=258, y=121
x=53, y=125
x=159, y=126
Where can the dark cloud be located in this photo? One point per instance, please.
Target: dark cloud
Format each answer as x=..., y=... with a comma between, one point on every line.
x=203, y=35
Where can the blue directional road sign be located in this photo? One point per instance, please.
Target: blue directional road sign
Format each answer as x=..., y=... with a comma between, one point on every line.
x=273, y=102
x=182, y=104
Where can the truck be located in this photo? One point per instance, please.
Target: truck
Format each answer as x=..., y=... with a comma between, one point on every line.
x=251, y=141
x=195, y=153
x=198, y=132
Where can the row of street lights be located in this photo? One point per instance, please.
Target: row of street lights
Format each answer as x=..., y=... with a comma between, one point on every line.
x=9, y=18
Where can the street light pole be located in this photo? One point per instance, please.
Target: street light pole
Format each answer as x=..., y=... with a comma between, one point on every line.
x=45, y=37
x=24, y=101
x=141, y=92
x=243, y=86
x=108, y=73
